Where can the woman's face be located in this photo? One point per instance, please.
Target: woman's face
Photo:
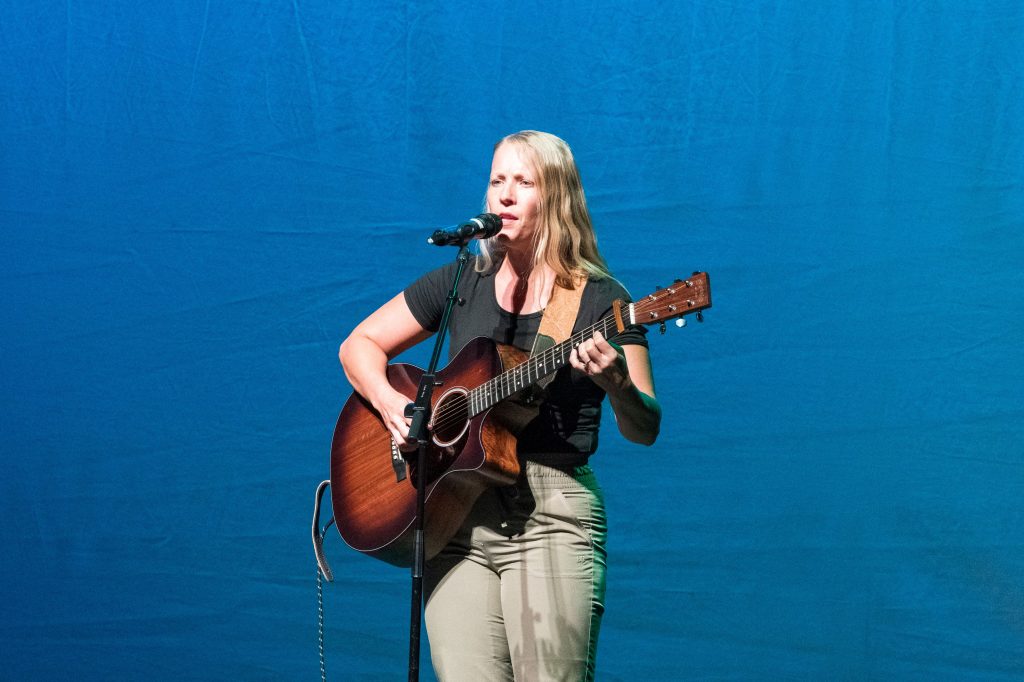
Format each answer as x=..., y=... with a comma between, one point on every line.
x=513, y=194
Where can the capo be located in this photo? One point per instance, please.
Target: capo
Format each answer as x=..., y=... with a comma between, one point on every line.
x=617, y=309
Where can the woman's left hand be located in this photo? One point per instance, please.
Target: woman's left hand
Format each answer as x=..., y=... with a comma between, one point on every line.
x=602, y=361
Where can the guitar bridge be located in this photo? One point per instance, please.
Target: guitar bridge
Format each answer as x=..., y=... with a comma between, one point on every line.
x=397, y=462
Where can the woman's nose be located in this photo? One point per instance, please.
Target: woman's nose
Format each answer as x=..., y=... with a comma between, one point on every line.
x=507, y=196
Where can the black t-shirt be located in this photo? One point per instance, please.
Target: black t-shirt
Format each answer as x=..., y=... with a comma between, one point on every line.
x=565, y=431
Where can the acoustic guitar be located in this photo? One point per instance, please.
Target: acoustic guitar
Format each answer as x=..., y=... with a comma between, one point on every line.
x=472, y=428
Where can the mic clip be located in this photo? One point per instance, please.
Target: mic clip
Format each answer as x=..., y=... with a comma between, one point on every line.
x=481, y=227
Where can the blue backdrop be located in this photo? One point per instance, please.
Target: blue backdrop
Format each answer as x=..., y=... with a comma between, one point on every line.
x=200, y=199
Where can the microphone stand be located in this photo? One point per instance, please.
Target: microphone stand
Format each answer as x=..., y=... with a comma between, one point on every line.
x=420, y=411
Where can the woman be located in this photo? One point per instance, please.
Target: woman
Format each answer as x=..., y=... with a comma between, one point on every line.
x=518, y=593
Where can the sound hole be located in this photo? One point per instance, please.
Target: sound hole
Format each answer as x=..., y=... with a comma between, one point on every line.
x=451, y=416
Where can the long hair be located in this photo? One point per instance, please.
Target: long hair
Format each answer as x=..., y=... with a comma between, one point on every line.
x=564, y=238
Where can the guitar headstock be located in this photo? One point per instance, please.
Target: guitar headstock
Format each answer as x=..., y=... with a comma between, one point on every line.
x=684, y=297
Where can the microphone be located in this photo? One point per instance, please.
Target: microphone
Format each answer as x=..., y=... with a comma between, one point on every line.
x=481, y=227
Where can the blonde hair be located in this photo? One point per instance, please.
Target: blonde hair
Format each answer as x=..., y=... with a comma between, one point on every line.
x=564, y=238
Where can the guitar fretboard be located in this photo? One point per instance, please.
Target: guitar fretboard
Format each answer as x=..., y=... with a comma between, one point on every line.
x=512, y=381
x=682, y=298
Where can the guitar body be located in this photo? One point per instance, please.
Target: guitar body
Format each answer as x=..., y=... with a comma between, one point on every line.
x=373, y=495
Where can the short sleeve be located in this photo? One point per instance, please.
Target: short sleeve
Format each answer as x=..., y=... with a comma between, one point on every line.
x=426, y=296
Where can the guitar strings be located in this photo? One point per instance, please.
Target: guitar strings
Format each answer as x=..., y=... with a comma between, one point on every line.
x=498, y=388
x=513, y=380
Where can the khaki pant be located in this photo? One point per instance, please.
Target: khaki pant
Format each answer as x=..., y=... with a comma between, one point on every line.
x=518, y=594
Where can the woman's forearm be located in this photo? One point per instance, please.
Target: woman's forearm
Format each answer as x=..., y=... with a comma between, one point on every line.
x=365, y=365
x=637, y=414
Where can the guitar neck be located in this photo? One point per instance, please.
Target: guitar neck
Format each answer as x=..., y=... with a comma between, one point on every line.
x=685, y=296
x=492, y=392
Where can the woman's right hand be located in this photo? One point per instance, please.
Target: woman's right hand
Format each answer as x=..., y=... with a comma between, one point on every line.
x=391, y=408
x=365, y=353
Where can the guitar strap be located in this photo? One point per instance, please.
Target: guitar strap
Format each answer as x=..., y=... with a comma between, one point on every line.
x=555, y=327
x=558, y=319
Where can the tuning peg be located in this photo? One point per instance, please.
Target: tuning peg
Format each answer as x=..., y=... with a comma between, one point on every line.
x=661, y=327
x=680, y=321
x=700, y=316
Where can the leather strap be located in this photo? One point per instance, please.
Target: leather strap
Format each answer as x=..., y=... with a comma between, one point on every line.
x=555, y=327
x=557, y=322
x=560, y=313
